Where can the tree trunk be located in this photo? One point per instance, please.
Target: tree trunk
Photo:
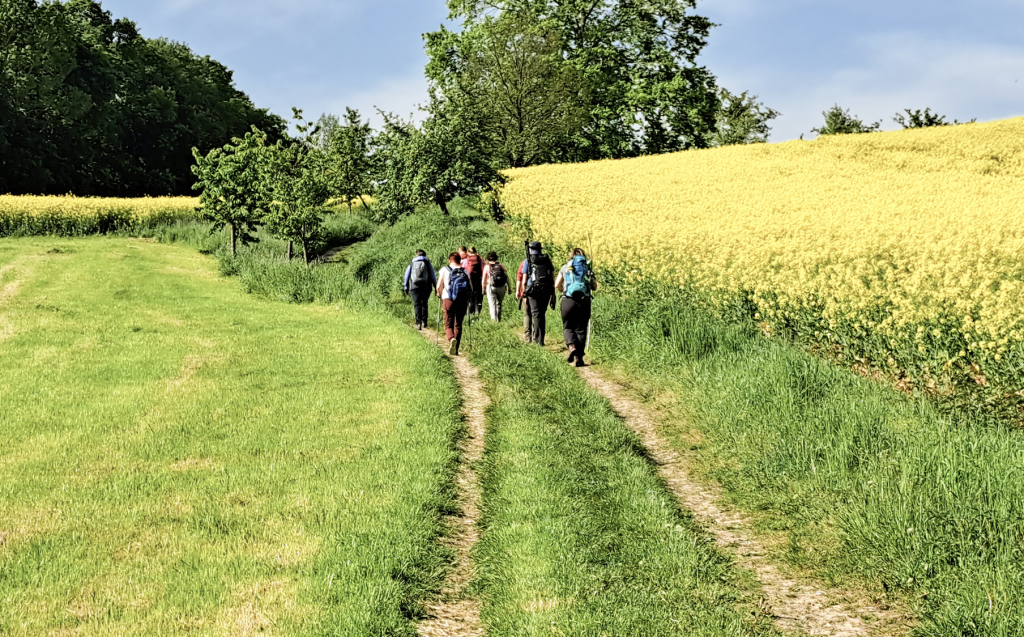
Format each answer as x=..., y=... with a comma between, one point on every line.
x=234, y=239
x=305, y=252
x=365, y=205
x=289, y=255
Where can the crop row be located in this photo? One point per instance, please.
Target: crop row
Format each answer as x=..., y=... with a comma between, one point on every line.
x=76, y=216
x=902, y=250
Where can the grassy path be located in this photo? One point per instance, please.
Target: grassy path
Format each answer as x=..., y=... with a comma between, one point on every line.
x=178, y=457
x=457, y=612
x=581, y=536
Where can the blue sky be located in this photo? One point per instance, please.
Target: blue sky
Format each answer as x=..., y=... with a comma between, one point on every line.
x=875, y=57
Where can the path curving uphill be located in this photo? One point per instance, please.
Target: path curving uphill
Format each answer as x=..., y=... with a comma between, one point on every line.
x=796, y=606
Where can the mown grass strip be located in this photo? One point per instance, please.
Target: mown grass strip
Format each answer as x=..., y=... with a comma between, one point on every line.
x=581, y=536
x=179, y=457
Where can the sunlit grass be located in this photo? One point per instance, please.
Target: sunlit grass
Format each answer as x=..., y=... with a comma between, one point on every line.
x=177, y=456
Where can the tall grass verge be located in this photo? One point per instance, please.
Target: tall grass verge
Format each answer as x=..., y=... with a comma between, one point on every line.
x=868, y=484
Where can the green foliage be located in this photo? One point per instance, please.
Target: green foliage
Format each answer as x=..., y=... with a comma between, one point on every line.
x=840, y=122
x=640, y=85
x=299, y=187
x=444, y=159
x=530, y=104
x=741, y=120
x=923, y=119
x=348, y=148
x=89, y=106
x=233, y=184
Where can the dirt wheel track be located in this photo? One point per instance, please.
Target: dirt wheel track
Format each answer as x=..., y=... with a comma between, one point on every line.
x=456, y=613
x=797, y=606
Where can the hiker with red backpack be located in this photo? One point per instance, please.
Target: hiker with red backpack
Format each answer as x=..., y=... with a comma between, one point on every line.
x=538, y=288
x=577, y=284
x=419, y=280
x=471, y=264
x=496, y=283
x=453, y=288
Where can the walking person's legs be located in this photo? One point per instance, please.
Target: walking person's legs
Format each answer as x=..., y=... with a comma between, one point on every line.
x=420, y=299
x=569, y=324
x=449, y=326
x=495, y=299
x=584, y=309
x=538, y=311
x=527, y=321
x=458, y=311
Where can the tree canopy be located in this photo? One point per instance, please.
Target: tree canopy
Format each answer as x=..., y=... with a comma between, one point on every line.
x=630, y=67
x=89, y=106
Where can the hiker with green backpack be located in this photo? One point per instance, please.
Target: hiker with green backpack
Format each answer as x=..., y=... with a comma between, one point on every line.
x=419, y=280
x=577, y=284
x=453, y=287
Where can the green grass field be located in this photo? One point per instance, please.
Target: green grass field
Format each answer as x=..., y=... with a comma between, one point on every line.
x=178, y=457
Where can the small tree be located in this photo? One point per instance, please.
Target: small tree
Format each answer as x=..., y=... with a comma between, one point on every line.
x=741, y=120
x=924, y=119
x=395, y=170
x=351, y=162
x=299, y=182
x=233, y=188
x=840, y=122
x=451, y=155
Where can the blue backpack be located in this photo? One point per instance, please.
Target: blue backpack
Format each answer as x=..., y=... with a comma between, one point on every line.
x=577, y=278
x=458, y=284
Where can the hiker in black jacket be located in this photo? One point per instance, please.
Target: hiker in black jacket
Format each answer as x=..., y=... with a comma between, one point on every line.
x=539, y=286
x=419, y=282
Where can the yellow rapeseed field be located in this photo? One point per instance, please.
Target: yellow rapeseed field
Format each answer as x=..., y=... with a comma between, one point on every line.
x=907, y=246
x=68, y=215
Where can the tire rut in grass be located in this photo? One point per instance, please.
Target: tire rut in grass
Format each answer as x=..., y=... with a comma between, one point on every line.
x=797, y=605
x=456, y=613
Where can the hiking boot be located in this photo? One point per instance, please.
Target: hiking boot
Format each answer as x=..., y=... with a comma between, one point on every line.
x=579, y=362
x=453, y=347
x=572, y=354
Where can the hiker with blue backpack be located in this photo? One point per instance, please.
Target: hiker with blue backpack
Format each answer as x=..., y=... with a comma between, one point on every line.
x=577, y=284
x=454, y=290
x=418, y=282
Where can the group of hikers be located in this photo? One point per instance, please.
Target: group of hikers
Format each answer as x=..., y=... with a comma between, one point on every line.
x=462, y=284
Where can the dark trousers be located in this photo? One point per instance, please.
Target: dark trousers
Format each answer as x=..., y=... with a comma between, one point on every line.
x=454, y=314
x=420, y=302
x=476, y=283
x=575, y=319
x=537, y=306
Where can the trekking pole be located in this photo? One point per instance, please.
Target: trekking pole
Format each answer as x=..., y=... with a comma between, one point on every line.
x=437, y=332
x=590, y=321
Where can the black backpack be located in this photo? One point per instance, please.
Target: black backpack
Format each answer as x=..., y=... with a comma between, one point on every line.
x=499, y=278
x=541, y=275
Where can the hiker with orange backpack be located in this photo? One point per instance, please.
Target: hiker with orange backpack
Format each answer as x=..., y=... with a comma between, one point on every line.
x=577, y=284
x=453, y=288
x=496, y=283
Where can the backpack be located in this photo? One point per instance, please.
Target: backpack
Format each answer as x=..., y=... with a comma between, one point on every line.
x=577, y=278
x=499, y=278
x=458, y=284
x=420, y=275
x=541, y=273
